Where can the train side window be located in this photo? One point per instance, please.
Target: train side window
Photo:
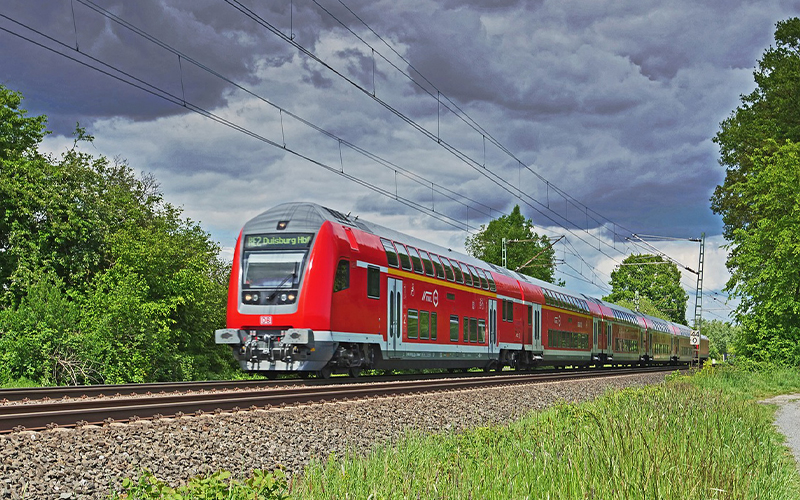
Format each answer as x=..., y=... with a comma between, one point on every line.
x=466, y=329
x=510, y=313
x=413, y=323
x=437, y=264
x=373, y=282
x=492, y=286
x=484, y=281
x=405, y=260
x=415, y=260
x=426, y=262
x=434, y=326
x=448, y=269
x=391, y=253
x=465, y=272
x=481, y=331
x=457, y=272
x=424, y=325
x=341, y=280
x=453, y=328
x=476, y=282
x=473, y=330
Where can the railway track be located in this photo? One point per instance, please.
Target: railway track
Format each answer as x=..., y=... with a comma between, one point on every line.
x=222, y=396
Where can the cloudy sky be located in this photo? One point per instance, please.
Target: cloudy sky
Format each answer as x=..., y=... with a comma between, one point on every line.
x=595, y=116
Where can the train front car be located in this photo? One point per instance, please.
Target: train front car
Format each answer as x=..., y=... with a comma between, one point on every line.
x=278, y=310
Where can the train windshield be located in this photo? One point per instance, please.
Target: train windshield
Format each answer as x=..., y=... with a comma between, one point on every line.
x=273, y=269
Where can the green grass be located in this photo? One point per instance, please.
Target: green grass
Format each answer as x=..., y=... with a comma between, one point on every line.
x=703, y=437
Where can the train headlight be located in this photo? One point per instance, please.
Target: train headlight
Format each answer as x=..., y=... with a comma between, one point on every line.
x=283, y=297
x=291, y=297
x=251, y=297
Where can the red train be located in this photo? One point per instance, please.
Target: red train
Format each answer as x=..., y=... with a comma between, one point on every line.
x=315, y=291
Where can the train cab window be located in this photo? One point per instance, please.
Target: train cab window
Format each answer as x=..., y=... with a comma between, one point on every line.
x=391, y=253
x=481, y=331
x=437, y=264
x=448, y=269
x=473, y=330
x=484, y=281
x=373, y=282
x=453, y=328
x=465, y=272
x=476, y=282
x=413, y=323
x=424, y=325
x=426, y=262
x=405, y=260
x=341, y=280
x=457, y=272
x=434, y=326
x=415, y=260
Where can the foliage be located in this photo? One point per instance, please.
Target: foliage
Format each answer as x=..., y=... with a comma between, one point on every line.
x=644, y=306
x=722, y=337
x=653, y=278
x=523, y=245
x=101, y=280
x=765, y=257
x=770, y=113
x=219, y=485
x=672, y=441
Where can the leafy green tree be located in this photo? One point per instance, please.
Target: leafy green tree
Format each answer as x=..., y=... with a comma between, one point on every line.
x=100, y=278
x=758, y=203
x=770, y=112
x=644, y=306
x=722, y=337
x=653, y=278
x=764, y=257
x=523, y=245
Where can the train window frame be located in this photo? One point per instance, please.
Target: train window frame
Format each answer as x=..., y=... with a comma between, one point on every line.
x=465, y=329
x=457, y=327
x=409, y=329
x=492, y=286
x=438, y=266
x=482, y=276
x=402, y=251
x=473, y=330
x=424, y=321
x=448, y=268
x=373, y=282
x=481, y=331
x=457, y=272
x=476, y=281
x=434, y=325
x=416, y=260
x=465, y=272
x=341, y=277
x=391, y=253
x=426, y=263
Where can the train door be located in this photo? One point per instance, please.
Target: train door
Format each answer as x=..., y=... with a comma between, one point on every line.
x=394, y=323
x=492, y=326
x=537, y=328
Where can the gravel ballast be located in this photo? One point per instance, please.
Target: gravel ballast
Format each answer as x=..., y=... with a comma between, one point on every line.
x=88, y=462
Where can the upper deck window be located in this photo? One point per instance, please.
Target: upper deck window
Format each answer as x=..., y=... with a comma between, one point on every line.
x=405, y=260
x=415, y=259
x=426, y=262
x=438, y=265
x=448, y=268
x=391, y=253
x=467, y=276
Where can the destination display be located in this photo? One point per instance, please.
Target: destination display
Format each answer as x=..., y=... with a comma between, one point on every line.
x=287, y=241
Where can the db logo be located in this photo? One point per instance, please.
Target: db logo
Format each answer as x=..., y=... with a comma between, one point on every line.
x=266, y=320
x=432, y=297
x=557, y=320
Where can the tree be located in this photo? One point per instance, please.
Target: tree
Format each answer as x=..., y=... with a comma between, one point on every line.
x=653, y=278
x=487, y=246
x=101, y=279
x=759, y=205
x=764, y=257
x=722, y=337
x=770, y=112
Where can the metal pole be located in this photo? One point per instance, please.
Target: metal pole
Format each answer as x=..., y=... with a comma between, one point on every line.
x=504, y=254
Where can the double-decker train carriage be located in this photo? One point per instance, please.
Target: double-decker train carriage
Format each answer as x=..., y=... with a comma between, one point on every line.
x=313, y=290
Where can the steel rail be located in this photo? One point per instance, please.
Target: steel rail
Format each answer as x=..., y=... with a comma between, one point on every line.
x=38, y=416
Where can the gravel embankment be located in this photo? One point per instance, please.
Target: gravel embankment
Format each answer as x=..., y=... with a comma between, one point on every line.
x=88, y=462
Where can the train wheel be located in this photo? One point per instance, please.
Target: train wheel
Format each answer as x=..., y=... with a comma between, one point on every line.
x=355, y=371
x=324, y=373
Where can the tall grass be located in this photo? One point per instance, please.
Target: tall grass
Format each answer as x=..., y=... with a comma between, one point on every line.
x=680, y=440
